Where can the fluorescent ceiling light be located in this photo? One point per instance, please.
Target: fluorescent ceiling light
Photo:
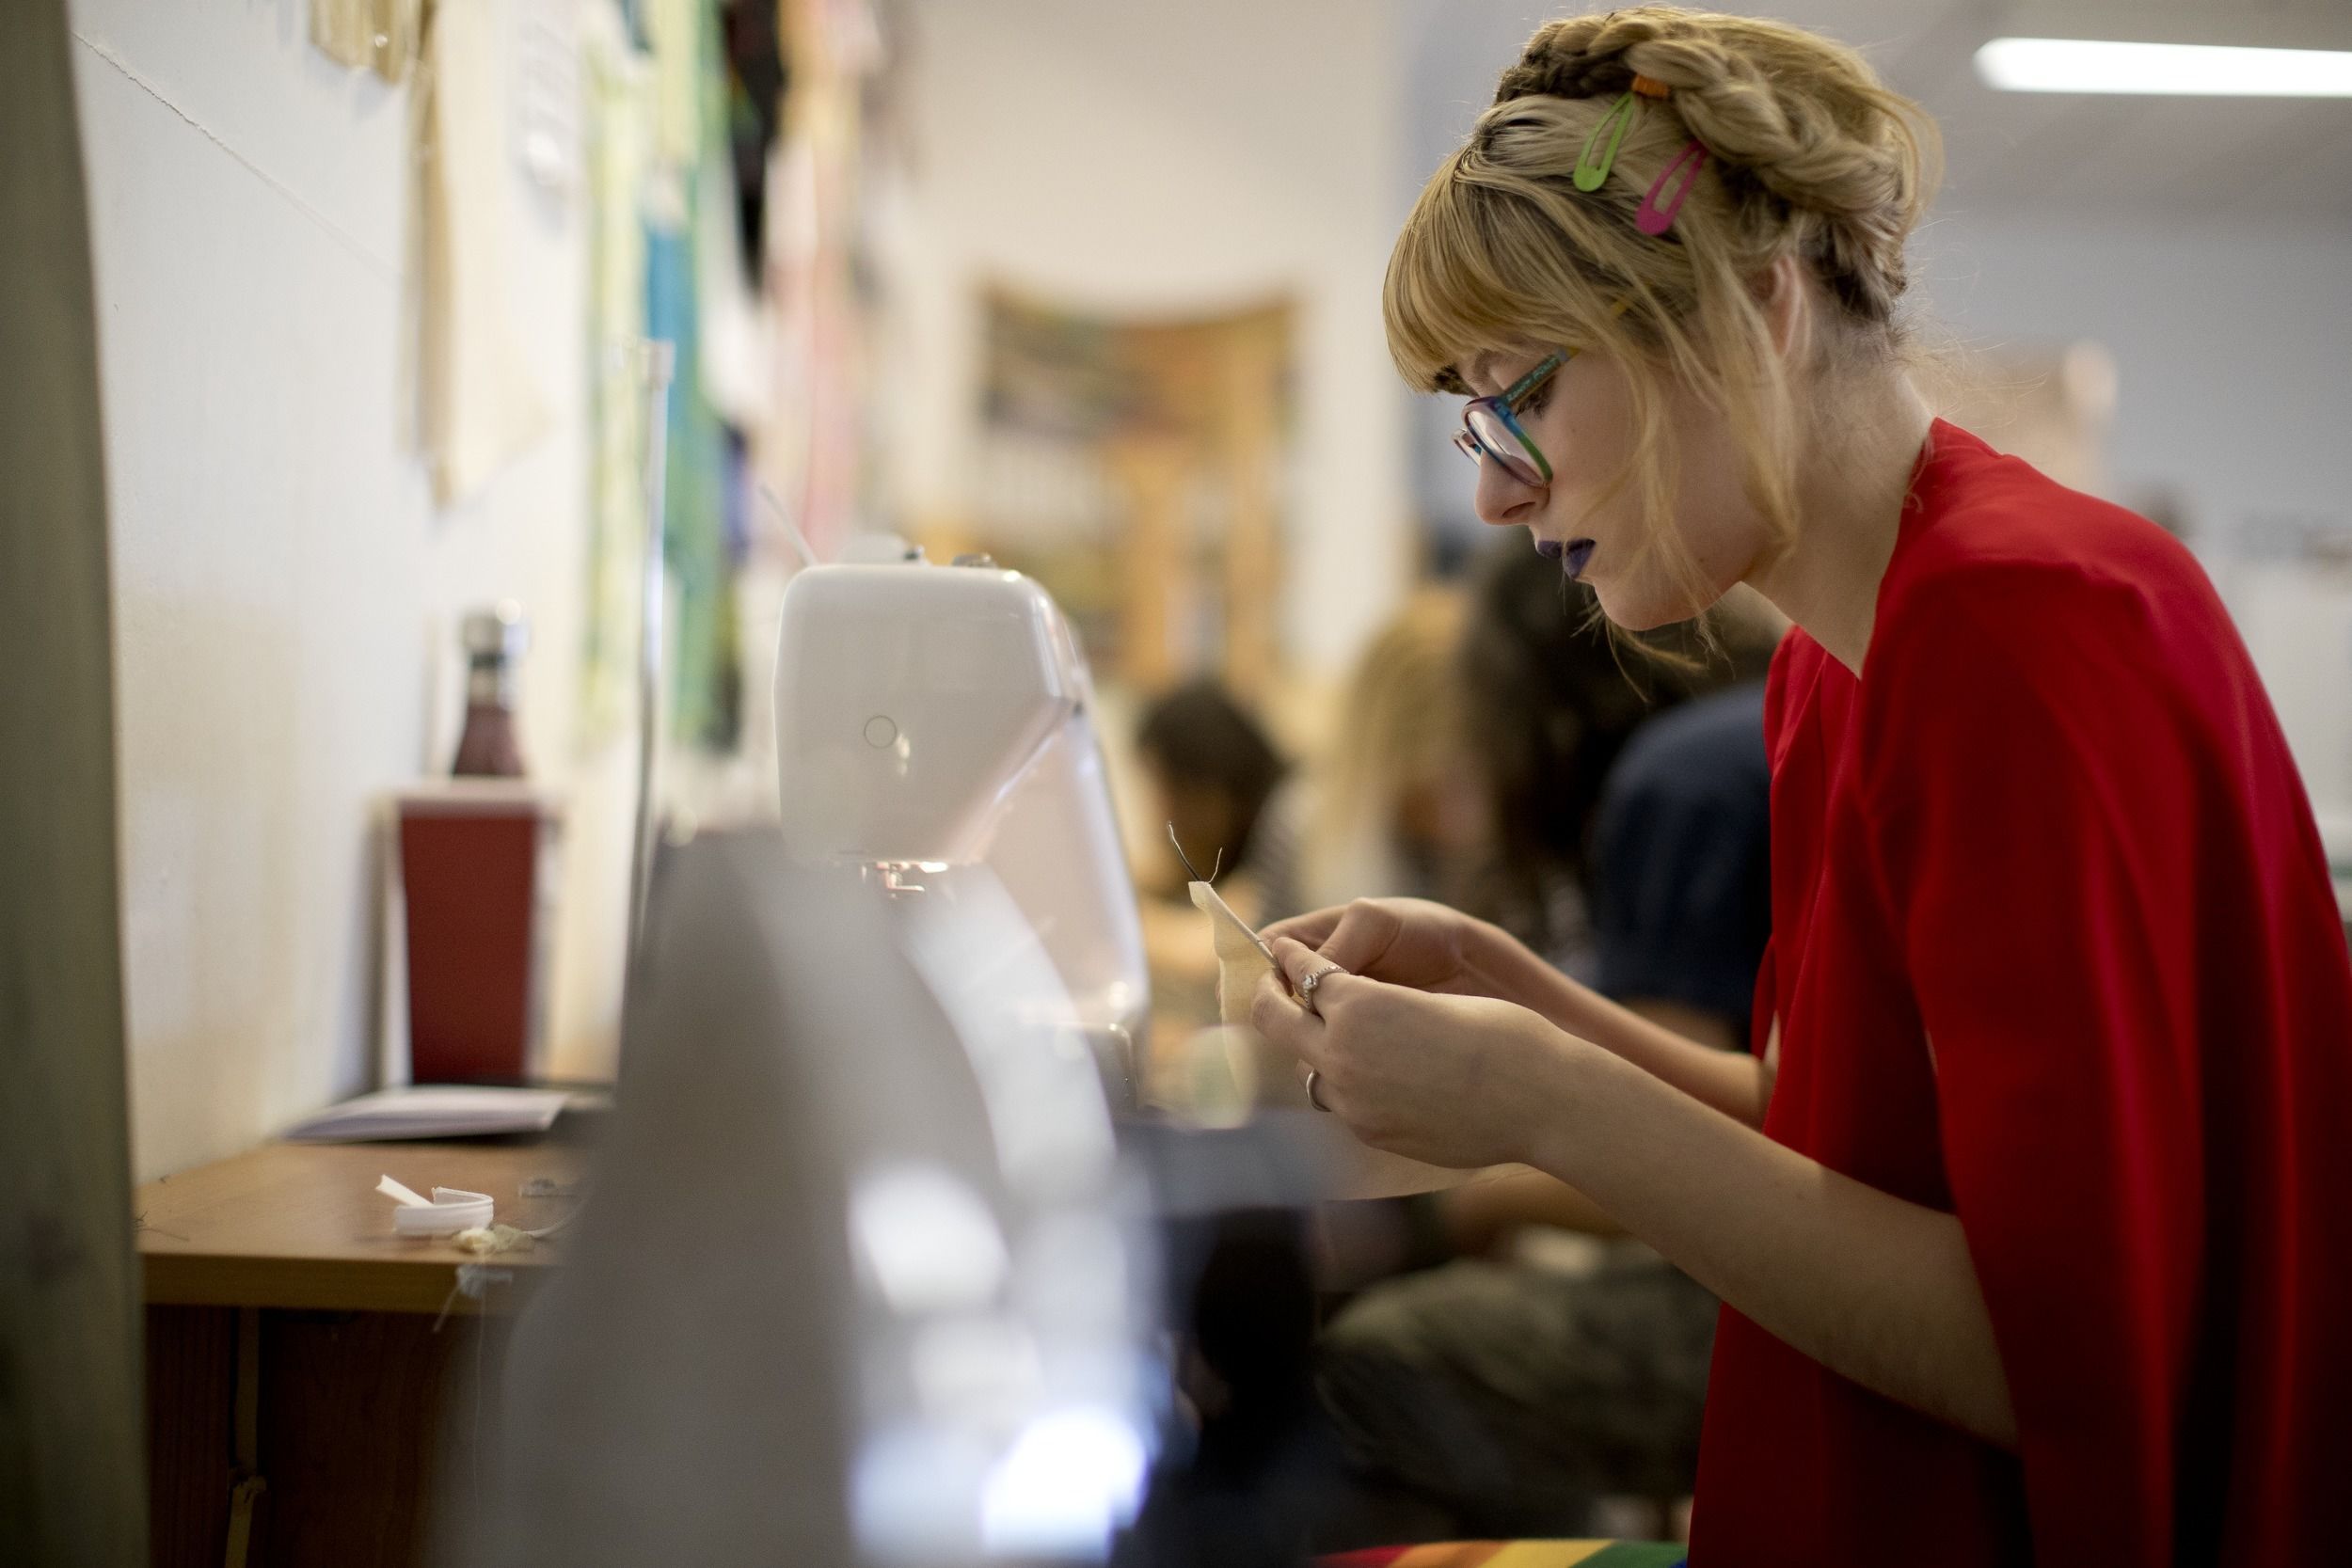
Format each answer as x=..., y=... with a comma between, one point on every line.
x=2084, y=65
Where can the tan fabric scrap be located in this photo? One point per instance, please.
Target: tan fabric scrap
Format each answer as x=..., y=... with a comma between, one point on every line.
x=396, y=27
x=479, y=405
x=363, y=33
x=344, y=31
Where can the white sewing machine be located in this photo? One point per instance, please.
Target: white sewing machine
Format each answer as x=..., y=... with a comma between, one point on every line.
x=936, y=723
x=864, y=1277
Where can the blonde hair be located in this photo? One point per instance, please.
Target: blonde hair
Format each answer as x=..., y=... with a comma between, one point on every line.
x=1808, y=157
x=1398, y=730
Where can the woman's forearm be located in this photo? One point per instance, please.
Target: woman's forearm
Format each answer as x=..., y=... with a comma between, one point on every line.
x=1479, y=1215
x=1874, y=1287
x=1733, y=1081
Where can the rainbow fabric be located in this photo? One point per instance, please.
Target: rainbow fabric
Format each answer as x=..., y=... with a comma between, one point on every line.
x=1513, y=1554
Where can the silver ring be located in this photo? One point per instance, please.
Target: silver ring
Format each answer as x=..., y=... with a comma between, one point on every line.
x=1311, y=1077
x=1308, y=983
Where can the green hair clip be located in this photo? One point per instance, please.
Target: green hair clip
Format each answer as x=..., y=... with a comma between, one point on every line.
x=1589, y=174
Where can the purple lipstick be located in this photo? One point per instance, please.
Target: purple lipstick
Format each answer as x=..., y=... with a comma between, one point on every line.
x=1571, y=557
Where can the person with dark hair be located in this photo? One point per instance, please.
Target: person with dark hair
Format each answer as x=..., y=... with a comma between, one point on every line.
x=1549, y=704
x=1209, y=770
x=1213, y=766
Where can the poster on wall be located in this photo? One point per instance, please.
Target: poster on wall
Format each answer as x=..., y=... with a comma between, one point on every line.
x=1134, y=466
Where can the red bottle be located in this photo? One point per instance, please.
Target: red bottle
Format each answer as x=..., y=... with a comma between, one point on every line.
x=495, y=641
x=477, y=872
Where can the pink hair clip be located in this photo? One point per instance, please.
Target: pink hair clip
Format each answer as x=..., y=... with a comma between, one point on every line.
x=1656, y=217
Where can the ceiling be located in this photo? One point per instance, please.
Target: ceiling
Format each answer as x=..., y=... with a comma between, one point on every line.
x=2098, y=157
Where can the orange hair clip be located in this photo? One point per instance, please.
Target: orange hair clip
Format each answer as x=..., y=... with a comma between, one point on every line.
x=1649, y=87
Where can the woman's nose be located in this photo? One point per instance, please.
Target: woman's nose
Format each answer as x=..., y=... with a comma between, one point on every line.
x=1503, y=499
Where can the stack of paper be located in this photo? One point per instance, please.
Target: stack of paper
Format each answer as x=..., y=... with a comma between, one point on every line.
x=432, y=1111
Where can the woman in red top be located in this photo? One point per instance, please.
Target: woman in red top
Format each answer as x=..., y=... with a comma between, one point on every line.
x=2030, y=1211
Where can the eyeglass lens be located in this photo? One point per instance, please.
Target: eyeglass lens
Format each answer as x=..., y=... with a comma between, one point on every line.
x=1491, y=433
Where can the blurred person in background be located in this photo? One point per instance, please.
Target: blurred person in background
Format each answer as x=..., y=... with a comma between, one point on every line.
x=1388, y=806
x=1209, y=769
x=1548, y=704
x=2026, y=1209
x=1628, y=842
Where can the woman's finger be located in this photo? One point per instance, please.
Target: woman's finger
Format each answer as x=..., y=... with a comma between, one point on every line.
x=1364, y=931
x=1296, y=960
x=1286, y=1026
x=1300, y=964
x=1310, y=928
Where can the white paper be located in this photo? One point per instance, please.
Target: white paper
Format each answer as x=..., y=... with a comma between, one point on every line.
x=432, y=1111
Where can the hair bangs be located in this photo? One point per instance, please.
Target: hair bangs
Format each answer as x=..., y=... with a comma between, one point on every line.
x=1488, y=262
x=1447, y=299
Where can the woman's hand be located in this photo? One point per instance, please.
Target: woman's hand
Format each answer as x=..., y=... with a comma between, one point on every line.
x=1452, y=1080
x=1429, y=947
x=1406, y=942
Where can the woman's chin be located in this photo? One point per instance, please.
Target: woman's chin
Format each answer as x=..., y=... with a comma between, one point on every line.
x=1639, y=607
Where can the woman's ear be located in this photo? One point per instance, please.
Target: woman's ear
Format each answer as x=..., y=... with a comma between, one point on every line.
x=1783, y=293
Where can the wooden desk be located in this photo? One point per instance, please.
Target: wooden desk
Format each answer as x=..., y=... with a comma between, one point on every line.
x=302, y=1225
x=301, y=1358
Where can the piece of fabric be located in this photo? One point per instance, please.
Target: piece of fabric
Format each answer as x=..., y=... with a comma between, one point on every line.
x=2054, y=949
x=479, y=405
x=704, y=690
x=701, y=556
x=342, y=29
x=616, y=115
x=1682, y=858
x=381, y=34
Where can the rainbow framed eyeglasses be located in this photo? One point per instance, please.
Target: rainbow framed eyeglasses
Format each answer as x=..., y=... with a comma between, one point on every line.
x=1490, y=426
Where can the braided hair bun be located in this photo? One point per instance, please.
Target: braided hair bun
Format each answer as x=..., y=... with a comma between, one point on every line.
x=1802, y=136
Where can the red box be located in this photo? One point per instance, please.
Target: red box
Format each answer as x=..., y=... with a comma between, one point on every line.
x=476, y=867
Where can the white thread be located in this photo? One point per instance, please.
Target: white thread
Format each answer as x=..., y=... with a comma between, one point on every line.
x=475, y=1279
x=474, y=1282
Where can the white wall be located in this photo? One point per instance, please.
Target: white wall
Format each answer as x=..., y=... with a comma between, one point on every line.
x=285, y=593
x=2232, y=345
x=2233, y=355
x=1162, y=158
